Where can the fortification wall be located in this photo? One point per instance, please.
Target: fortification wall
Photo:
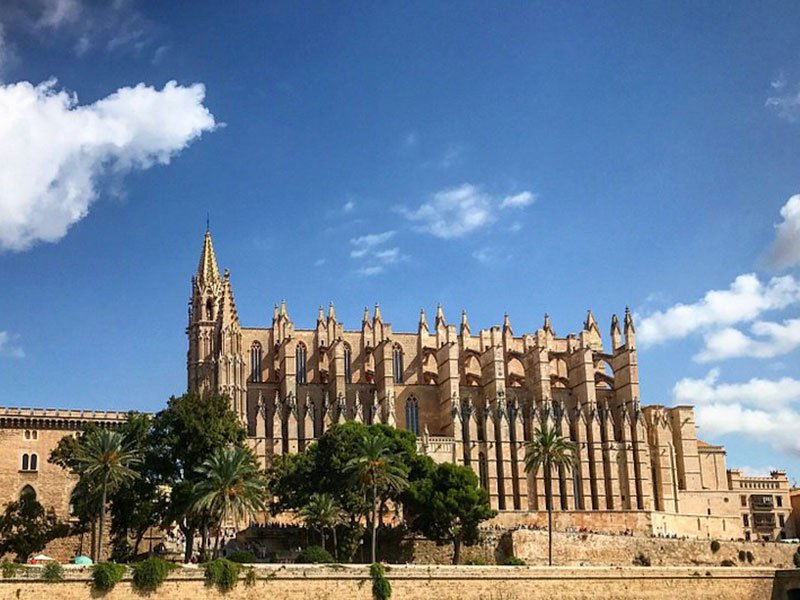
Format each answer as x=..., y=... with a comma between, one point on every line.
x=444, y=583
x=589, y=549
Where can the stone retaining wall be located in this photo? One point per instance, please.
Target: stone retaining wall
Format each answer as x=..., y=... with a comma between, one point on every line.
x=443, y=583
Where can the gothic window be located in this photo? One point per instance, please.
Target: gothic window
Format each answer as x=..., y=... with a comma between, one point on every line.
x=34, y=462
x=29, y=492
x=25, y=462
x=34, y=435
x=483, y=470
x=412, y=415
x=255, y=362
x=300, y=359
x=348, y=369
x=397, y=363
x=27, y=434
x=209, y=310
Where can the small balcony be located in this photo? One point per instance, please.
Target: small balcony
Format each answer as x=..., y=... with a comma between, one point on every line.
x=762, y=502
x=764, y=521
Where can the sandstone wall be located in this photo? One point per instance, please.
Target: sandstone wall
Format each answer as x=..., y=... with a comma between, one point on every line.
x=593, y=549
x=445, y=583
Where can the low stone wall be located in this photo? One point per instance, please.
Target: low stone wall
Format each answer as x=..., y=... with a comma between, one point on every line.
x=598, y=549
x=443, y=583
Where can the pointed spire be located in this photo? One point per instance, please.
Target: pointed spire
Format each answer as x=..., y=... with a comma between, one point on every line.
x=207, y=270
x=630, y=330
x=274, y=312
x=507, y=324
x=440, y=317
x=331, y=312
x=228, y=304
x=629, y=320
x=589, y=324
x=616, y=336
x=464, y=323
x=548, y=326
x=423, y=321
x=365, y=318
x=377, y=316
x=283, y=312
x=320, y=315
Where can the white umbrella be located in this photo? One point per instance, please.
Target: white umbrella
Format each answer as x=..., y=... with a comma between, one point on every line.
x=41, y=557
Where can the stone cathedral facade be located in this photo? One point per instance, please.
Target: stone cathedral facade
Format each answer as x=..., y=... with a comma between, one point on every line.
x=474, y=398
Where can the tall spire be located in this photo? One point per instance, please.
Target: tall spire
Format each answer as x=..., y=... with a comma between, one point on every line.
x=207, y=270
x=377, y=317
x=440, y=317
x=590, y=323
x=331, y=312
x=507, y=324
x=464, y=323
x=423, y=321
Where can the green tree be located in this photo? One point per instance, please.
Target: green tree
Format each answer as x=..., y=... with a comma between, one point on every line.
x=190, y=429
x=230, y=488
x=321, y=512
x=448, y=505
x=377, y=470
x=25, y=528
x=106, y=461
x=549, y=450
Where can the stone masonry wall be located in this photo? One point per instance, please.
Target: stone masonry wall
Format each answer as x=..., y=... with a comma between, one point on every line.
x=443, y=583
x=596, y=549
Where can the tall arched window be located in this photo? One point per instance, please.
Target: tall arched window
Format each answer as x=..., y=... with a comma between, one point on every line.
x=25, y=462
x=300, y=359
x=412, y=415
x=28, y=492
x=255, y=362
x=34, y=462
x=483, y=470
x=209, y=310
x=348, y=368
x=397, y=363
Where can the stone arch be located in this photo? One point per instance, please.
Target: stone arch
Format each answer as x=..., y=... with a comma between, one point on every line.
x=471, y=369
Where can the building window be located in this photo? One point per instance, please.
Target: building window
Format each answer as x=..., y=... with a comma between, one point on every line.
x=781, y=520
x=744, y=500
x=778, y=501
x=397, y=363
x=300, y=359
x=30, y=462
x=28, y=492
x=412, y=415
x=209, y=310
x=255, y=362
x=483, y=471
x=27, y=434
x=348, y=368
x=746, y=520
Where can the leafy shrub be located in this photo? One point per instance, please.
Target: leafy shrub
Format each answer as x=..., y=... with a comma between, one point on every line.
x=242, y=557
x=476, y=561
x=250, y=577
x=796, y=559
x=149, y=574
x=514, y=561
x=641, y=560
x=10, y=569
x=222, y=573
x=742, y=556
x=314, y=554
x=727, y=563
x=750, y=557
x=106, y=575
x=381, y=588
x=715, y=546
x=53, y=571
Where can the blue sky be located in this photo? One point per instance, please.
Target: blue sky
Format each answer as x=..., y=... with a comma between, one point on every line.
x=514, y=157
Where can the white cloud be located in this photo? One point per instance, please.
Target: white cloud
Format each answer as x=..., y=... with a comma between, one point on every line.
x=370, y=270
x=786, y=106
x=786, y=250
x=366, y=243
x=388, y=256
x=53, y=151
x=518, y=200
x=455, y=212
x=9, y=347
x=349, y=206
x=57, y=13
x=410, y=139
x=777, y=339
x=452, y=156
x=745, y=300
x=319, y=262
x=763, y=409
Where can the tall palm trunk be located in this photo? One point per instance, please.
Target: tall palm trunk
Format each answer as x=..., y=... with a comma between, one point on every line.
x=372, y=520
x=548, y=493
x=456, y=550
x=335, y=544
x=102, y=518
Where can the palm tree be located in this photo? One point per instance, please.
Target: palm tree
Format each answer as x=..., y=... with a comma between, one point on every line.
x=550, y=450
x=376, y=469
x=322, y=512
x=230, y=487
x=106, y=461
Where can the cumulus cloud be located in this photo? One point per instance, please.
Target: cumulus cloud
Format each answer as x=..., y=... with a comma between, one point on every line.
x=54, y=151
x=455, y=212
x=745, y=300
x=763, y=409
x=9, y=347
x=776, y=339
x=786, y=250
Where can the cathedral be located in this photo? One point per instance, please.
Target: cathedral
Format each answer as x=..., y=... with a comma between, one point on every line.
x=471, y=398
x=474, y=398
